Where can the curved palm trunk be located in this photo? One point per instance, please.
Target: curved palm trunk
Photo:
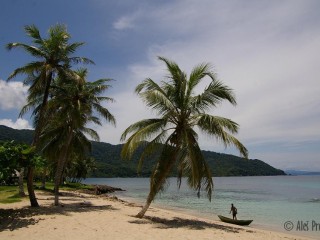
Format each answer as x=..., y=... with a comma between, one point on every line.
x=147, y=205
x=60, y=168
x=32, y=195
x=154, y=192
x=30, y=174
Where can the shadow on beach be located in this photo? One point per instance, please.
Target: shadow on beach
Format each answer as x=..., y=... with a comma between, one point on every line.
x=177, y=222
x=12, y=219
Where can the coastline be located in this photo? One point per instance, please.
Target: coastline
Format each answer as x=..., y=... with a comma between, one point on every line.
x=84, y=216
x=269, y=201
x=215, y=219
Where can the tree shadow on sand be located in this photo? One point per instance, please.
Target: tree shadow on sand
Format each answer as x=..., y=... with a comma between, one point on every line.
x=177, y=222
x=12, y=219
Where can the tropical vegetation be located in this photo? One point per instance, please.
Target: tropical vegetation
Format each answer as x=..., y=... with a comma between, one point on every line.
x=14, y=158
x=181, y=110
x=74, y=105
x=57, y=97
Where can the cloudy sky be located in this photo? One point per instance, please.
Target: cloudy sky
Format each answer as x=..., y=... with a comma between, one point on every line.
x=268, y=52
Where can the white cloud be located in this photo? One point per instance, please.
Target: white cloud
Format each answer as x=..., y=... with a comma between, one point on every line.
x=268, y=53
x=125, y=22
x=12, y=95
x=271, y=66
x=18, y=124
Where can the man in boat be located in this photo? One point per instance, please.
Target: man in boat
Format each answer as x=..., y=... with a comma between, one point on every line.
x=234, y=211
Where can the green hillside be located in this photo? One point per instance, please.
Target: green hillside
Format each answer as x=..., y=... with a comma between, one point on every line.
x=20, y=136
x=109, y=163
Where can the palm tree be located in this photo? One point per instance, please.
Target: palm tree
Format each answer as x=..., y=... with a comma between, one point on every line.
x=54, y=56
x=70, y=110
x=78, y=168
x=180, y=111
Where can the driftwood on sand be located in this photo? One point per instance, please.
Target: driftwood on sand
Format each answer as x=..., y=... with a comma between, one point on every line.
x=102, y=189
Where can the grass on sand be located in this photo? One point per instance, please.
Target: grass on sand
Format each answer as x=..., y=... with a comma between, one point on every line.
x=10, y=194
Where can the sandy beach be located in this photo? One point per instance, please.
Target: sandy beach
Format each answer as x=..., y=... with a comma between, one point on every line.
x=84, y=216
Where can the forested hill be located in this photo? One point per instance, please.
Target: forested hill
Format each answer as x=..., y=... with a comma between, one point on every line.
x=109, y=163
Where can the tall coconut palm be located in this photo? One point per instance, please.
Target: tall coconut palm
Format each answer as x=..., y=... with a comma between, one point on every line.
x=54, y=56
x=70, y=110
x=180, y=111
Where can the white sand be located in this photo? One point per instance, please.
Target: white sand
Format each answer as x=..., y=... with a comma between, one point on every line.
x=89, y=217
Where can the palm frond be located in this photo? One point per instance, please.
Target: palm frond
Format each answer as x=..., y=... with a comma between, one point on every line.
x=174, y=70
x=213, y=95
x=92, y=133
x=94, y=120
x=104, y=113
x=151, y=147
x=195, y=166
x=218, y=127
x=213, y=124
x=143, y=130
x=34, y=33
x=71, y=48
x=154, y=96
x=34, y=51
x=197, y=74
x=83, y=60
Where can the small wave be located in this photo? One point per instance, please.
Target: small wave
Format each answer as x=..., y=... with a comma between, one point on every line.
x=315, y=200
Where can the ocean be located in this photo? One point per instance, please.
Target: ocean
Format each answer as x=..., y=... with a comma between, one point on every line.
x=288, y=204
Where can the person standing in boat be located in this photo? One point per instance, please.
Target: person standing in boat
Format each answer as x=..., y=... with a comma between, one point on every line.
x=234, y=211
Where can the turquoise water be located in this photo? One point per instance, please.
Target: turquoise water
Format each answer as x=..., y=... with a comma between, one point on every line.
x=270, y=201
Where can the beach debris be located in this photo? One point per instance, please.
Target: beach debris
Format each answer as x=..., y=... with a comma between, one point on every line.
x=102, y=189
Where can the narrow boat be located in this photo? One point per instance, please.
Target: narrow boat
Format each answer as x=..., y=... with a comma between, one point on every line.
x=238, y=222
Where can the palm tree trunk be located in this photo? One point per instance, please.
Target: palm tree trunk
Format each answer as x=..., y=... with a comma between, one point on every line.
x=57, y=181
x=146, y=206
x=21, y=188
x=36, y=137
x=43, y=178
x=32, y=195
x=154, y=192
x=60, y=167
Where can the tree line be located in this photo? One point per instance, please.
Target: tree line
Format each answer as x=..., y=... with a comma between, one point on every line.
x=107, y=161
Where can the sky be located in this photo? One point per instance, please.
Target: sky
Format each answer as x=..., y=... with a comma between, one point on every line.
x=267, y=51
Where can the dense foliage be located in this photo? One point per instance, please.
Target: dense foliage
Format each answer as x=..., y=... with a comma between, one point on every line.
x=61, y=100
x=14, y=156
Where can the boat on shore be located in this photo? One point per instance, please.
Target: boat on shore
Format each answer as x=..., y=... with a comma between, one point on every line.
x=233, y=221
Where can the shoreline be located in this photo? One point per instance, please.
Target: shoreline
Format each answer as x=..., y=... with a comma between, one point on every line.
x=84, y=216
x=215, y=218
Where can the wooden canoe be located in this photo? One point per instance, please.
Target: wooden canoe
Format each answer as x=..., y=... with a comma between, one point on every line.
x=238, y=222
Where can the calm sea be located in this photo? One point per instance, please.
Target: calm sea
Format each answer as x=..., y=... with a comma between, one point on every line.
x=275, y=202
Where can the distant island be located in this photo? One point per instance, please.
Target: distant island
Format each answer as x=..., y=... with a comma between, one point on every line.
x=110, y=164
x=300, y=172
